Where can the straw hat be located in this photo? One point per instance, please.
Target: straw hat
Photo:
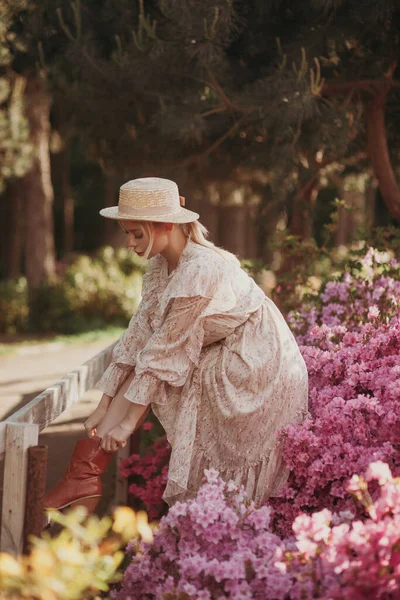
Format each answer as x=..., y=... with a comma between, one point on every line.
x=150, y=199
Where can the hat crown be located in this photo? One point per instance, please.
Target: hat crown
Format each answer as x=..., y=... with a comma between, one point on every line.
x=149, y=192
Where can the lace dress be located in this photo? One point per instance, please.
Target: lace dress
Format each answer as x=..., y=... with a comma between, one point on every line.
x=221, y=369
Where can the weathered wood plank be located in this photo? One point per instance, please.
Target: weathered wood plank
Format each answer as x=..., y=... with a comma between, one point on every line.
x=19, y=437
x=53, y=401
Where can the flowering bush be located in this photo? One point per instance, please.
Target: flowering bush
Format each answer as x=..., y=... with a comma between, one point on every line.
x=220, y=546
x=215, y=546
x=87, y=292
x=339, y=558
x=306, y=266
x=79, y=562
x=367, y=291
x=147, y=475
x=354, y=391
x=352, y=356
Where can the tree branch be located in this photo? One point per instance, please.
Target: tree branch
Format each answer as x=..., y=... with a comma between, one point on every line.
x=221, y=94
x=213, y=111
x=202, y=155
x=368, y=85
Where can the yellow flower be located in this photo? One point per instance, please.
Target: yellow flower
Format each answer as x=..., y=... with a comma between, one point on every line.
x=125, y=523
x=70, y=553
x=42, y=561
x=9, y=567
x=143, y=526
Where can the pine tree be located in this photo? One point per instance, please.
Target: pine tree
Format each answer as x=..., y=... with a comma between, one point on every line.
x=234, y=86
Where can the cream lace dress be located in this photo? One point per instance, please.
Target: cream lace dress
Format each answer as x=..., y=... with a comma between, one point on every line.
x=221, y=369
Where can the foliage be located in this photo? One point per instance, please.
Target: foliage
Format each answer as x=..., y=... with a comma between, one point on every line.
x=350, y=336
x=351, y=343
x=354, y=380
x=215, y=546
x=147, y=472
x=342, y=558
x=310, y=266
x=86, y=294
x=13, y=306
x=219, y=545
x=16, y=151
x=367, y=288
x=223, y=84
x=79, y=562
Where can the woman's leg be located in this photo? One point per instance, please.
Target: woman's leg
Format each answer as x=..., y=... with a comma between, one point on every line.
x=119, y=408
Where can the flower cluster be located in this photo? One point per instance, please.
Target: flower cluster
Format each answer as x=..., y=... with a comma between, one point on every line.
x=219, y=545
x=340, y=558
x=147, y=476
x=368, y=291
x=354, y=392
x=215, y=546
x=352, y=358
x=81, y=560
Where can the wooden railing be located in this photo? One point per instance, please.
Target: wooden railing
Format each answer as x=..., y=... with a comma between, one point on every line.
x=21, y=430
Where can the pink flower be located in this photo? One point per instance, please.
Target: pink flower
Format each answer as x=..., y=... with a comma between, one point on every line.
x=373, y=312
x=147, y=426
x=380, y=471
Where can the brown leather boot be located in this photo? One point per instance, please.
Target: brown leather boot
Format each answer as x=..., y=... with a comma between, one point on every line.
x=81, y=483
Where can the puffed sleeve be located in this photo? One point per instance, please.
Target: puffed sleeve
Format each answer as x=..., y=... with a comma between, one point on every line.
x=124, y=353
x=171, y=353
x=133, y=339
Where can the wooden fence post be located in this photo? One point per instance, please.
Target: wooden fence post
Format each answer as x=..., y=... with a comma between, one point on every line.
x=19, y=437
x=36, y=487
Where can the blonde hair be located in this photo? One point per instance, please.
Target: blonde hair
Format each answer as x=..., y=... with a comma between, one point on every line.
x=195, y=231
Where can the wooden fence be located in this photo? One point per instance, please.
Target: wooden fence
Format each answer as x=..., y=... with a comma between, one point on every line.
x=21, y=430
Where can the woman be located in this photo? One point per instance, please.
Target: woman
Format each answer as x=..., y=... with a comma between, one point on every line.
x=207, y=350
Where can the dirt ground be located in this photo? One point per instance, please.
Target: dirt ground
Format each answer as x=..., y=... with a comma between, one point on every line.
x=26, y=374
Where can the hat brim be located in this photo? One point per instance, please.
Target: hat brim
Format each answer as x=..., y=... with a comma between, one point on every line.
x=183, y=216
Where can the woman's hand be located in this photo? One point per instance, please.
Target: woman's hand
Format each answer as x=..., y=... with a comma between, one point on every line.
x=97, y=416
x=116, y=438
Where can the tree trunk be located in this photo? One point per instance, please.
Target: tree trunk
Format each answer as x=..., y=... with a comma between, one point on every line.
x=16, y=224
x=268, y=215
x=231, y=230
x=341, y=236
x=370, y=203
x=4, y=236
x=67, y=201
x=64, y=203
x=301, y=221
x=251, y=226
x=113, y=234
x=378, y=152
x=356, y=199
x=38, y=193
